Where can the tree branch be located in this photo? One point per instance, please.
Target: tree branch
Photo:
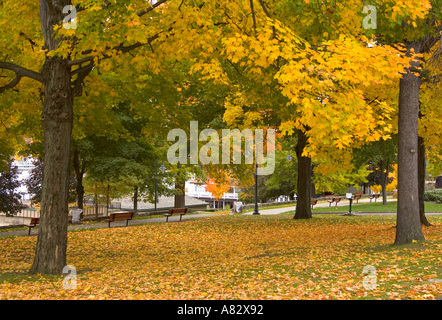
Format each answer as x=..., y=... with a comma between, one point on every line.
x=83, y=72
x=268, y=15
x=79, y=61
x=82, y=69
x=11, y=85
x=253, y=16
x=264, y=8
x=154, y=6
x=20, y=72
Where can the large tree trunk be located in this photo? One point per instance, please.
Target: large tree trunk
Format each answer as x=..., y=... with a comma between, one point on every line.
x=57, y=119
x=421, y=174
x=303, y=200
x=408, y=227
x=50, y=253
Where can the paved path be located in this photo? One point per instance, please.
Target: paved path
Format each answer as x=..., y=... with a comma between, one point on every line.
x=262, y=211
x=104, y=224
x=272, y=211
x=343, y=202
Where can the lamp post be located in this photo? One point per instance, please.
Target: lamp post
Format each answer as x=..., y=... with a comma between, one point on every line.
x=162, y=168
x=349, y=196
x=246, y=153
x=256, y=212
x=290, y=158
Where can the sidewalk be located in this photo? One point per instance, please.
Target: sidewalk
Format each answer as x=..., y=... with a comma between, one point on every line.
x=133, y=222
x=105, y=224
x=343, y=202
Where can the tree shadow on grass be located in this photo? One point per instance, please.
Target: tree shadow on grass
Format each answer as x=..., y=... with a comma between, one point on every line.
x=417, y=245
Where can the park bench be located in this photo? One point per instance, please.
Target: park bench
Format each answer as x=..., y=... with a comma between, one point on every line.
x=180, y=211
x=126, y=215
x=334, y=200
x=374, y=196
x=357, y=197
x=314, y=201
x=33, y=223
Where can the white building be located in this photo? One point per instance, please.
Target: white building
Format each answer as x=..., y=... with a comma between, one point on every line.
x=197, y=189
x=24, y=167
x=194, y=188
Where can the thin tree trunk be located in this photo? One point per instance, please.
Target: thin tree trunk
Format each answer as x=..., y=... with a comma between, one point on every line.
x=421, y=173
x=303, y=200
x=385, y=173
x=79, y=174
x=107, y=199
x=408, y=227
x=135, y=198
x=96, y=201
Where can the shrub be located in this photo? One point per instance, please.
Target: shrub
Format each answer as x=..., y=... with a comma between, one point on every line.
x=434, y=195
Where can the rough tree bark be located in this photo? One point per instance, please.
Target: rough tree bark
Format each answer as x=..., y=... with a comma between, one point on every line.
x=421, y=188
x=408, y=227
x=303, y=200
x=57, y=120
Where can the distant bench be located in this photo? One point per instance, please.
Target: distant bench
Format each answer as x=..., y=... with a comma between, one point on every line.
x=314, y=201
x=357, y=197
x=33, y=223
x=374, y=196
x=334, y=200
x=180, y=211
x=115, y=216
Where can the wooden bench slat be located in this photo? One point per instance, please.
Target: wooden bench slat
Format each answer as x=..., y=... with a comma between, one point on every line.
x=336, y=199
x=115, y=216
x=313, y=202
x=180, y=211
x=33, y=223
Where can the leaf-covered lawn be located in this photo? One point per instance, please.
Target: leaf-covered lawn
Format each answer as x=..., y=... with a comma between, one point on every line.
x=373, y=207
x=235, y=257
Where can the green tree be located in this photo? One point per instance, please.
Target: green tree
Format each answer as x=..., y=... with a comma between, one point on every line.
x=419, y=29
x=10, y=202
x=380, y=156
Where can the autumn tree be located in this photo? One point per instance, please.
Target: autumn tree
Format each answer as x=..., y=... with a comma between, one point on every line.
x=379, y=157
x=321, y=72
x=217, y=187
x=417, y=25
x=260, y=41
x=429, y=141
x=63, y=60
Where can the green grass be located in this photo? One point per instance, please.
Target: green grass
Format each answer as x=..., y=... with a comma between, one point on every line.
x=374, y=207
